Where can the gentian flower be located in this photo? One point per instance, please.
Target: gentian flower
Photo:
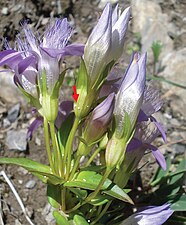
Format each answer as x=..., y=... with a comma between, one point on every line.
x=97, y=124
x=106, y=41
x=151, y=215
x=37, y=60
x=127, y=106
x=147, y=130
x=130, y=95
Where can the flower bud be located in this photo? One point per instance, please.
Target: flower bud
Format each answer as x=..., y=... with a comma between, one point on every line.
x=98, y=45
x=114, y=152
x=130, y=95
x=98, y=123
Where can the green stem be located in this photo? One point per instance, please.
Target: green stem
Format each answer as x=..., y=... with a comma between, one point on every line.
x=92, y=157
x=92, y=195
x=47, y=140
x=69, y=146
x=76, y=164
x=63, y=200
x=102, y=181
x=102, y=213
x=57, y=153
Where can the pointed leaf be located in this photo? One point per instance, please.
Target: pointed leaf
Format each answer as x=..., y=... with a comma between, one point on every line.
x=43, y=172
x=90, y=180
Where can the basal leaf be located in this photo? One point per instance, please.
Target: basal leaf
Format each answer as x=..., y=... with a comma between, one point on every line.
x=43, y=172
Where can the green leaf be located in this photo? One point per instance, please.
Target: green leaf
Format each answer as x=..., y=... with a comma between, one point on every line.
x=30, y=98
x=79, y=220
x=60, y=219
x=100, y=200
x=54, y=195
x=90, y=180
x=43, y=172
x=30, y=165
x=82, y=194
x=55, y=91
x=166, y=81
x=156, y=49
x=180, y=204
x=64, y=131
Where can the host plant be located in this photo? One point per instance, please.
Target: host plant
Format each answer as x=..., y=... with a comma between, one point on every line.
x=111, y=119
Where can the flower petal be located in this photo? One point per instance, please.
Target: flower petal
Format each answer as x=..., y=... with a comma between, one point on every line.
x=158, y=155
x=154, y=215
x=74, y=49
x=33, y=126
x=160, y=128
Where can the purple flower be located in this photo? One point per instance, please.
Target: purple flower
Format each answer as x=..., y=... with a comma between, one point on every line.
x=147, y=130
x=145, y=134
x=100, y=119
x=106, y=41
x=151, y=215
x=34, y=54
x=97, y=124
x=130, y=95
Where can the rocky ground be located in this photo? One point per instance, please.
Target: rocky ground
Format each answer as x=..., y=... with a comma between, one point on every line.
x=161, y=20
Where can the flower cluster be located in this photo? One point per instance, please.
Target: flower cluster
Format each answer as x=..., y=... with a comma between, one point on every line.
x=110, y=123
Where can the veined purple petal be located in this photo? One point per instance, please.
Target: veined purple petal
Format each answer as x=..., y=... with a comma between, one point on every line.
x=158, y=156
x=160, y=128
x=57, y=35
x=33, y=126
x=154, y=215
x=115, y=15
x=102, y=26
x=118, y=33
x=74, y=49
x=152, y=101
x=65, y=108
x=104, y=109
x=25, y=63
x=31, y=75
x=6, y=52
x=98, y=45
x=100, y=119
x=130, y=94
x=134, y=144
x=142, y=116
x=11, y=59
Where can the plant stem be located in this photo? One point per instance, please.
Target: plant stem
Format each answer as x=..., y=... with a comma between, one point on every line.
x=92, y=157
x=76, y=164
x=69, y=146
x=63, y=200
x=92, y=195
x=102, y=181
x=56, y=149
x=47, y=140
x=102, y=213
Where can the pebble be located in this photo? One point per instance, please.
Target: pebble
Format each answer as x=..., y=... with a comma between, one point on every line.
x=47, y=214
x=38, y=141
x=6, y=123
x=16, y=140
x=13, y=113
x=30, y=184
x=5, y=11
